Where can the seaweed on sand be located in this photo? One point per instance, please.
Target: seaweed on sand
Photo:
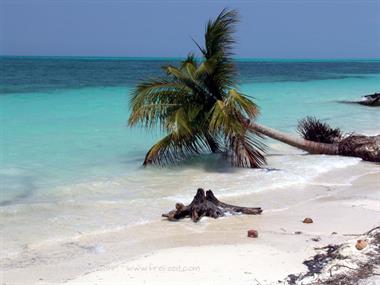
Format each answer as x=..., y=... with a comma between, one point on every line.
x=334, y=267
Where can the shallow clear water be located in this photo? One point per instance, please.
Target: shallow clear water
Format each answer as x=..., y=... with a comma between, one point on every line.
x=70, y=164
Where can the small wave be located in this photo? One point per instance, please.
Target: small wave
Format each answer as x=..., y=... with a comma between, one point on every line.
x=291, y=170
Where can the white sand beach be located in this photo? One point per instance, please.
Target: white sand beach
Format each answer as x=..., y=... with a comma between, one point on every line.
x=266, y=260
x=218, y=251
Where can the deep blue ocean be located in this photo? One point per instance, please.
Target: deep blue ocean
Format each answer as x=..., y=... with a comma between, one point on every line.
x=46, y=74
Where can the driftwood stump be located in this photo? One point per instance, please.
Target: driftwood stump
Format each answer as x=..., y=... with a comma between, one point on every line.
x=207, y=205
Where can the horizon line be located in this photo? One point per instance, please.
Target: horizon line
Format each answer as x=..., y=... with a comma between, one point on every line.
x=158, y=58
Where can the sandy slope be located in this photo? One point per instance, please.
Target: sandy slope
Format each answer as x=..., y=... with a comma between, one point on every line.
x=266, y=260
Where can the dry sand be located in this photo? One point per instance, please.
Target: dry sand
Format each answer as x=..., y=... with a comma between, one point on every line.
x=267, y=260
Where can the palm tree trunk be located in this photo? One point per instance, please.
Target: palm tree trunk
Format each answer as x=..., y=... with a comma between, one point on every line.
x=309, y=146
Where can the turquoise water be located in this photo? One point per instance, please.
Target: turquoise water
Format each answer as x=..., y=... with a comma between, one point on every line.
x=283, y=104
x=66, y=147
x=72, y=128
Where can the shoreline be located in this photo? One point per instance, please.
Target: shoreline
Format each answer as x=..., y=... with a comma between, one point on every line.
x=332, y=204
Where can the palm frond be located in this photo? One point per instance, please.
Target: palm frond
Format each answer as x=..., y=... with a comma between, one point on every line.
x=233, y=114
x=206, y=68
x=199, y=90
x=151, y=114
x=219, y=34
x=157, y=91
x=218, y=47
x=153, y=101
x=228, y=119
x=225, y=119
x=246, y=150
x=243, y=104
x=173, y=149
x=201, y=49
x=190, y=59
x=179, y=122
x=310, y=128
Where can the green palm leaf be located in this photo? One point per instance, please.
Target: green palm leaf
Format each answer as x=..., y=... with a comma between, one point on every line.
x=174, y=148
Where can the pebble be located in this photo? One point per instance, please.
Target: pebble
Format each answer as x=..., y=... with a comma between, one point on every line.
x=361, y=244
x=253, y=234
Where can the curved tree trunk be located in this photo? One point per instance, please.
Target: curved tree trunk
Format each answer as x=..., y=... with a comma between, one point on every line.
x=365, y=147
x=309, y=146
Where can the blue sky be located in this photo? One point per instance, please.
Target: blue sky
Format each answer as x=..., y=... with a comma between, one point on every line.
x=268, y=29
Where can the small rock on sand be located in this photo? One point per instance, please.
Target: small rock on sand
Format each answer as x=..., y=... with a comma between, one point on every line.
x=253, y=233
x=307, y=221
x=361, y=244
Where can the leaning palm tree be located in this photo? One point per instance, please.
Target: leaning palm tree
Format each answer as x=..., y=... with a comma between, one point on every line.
x=199, y=108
